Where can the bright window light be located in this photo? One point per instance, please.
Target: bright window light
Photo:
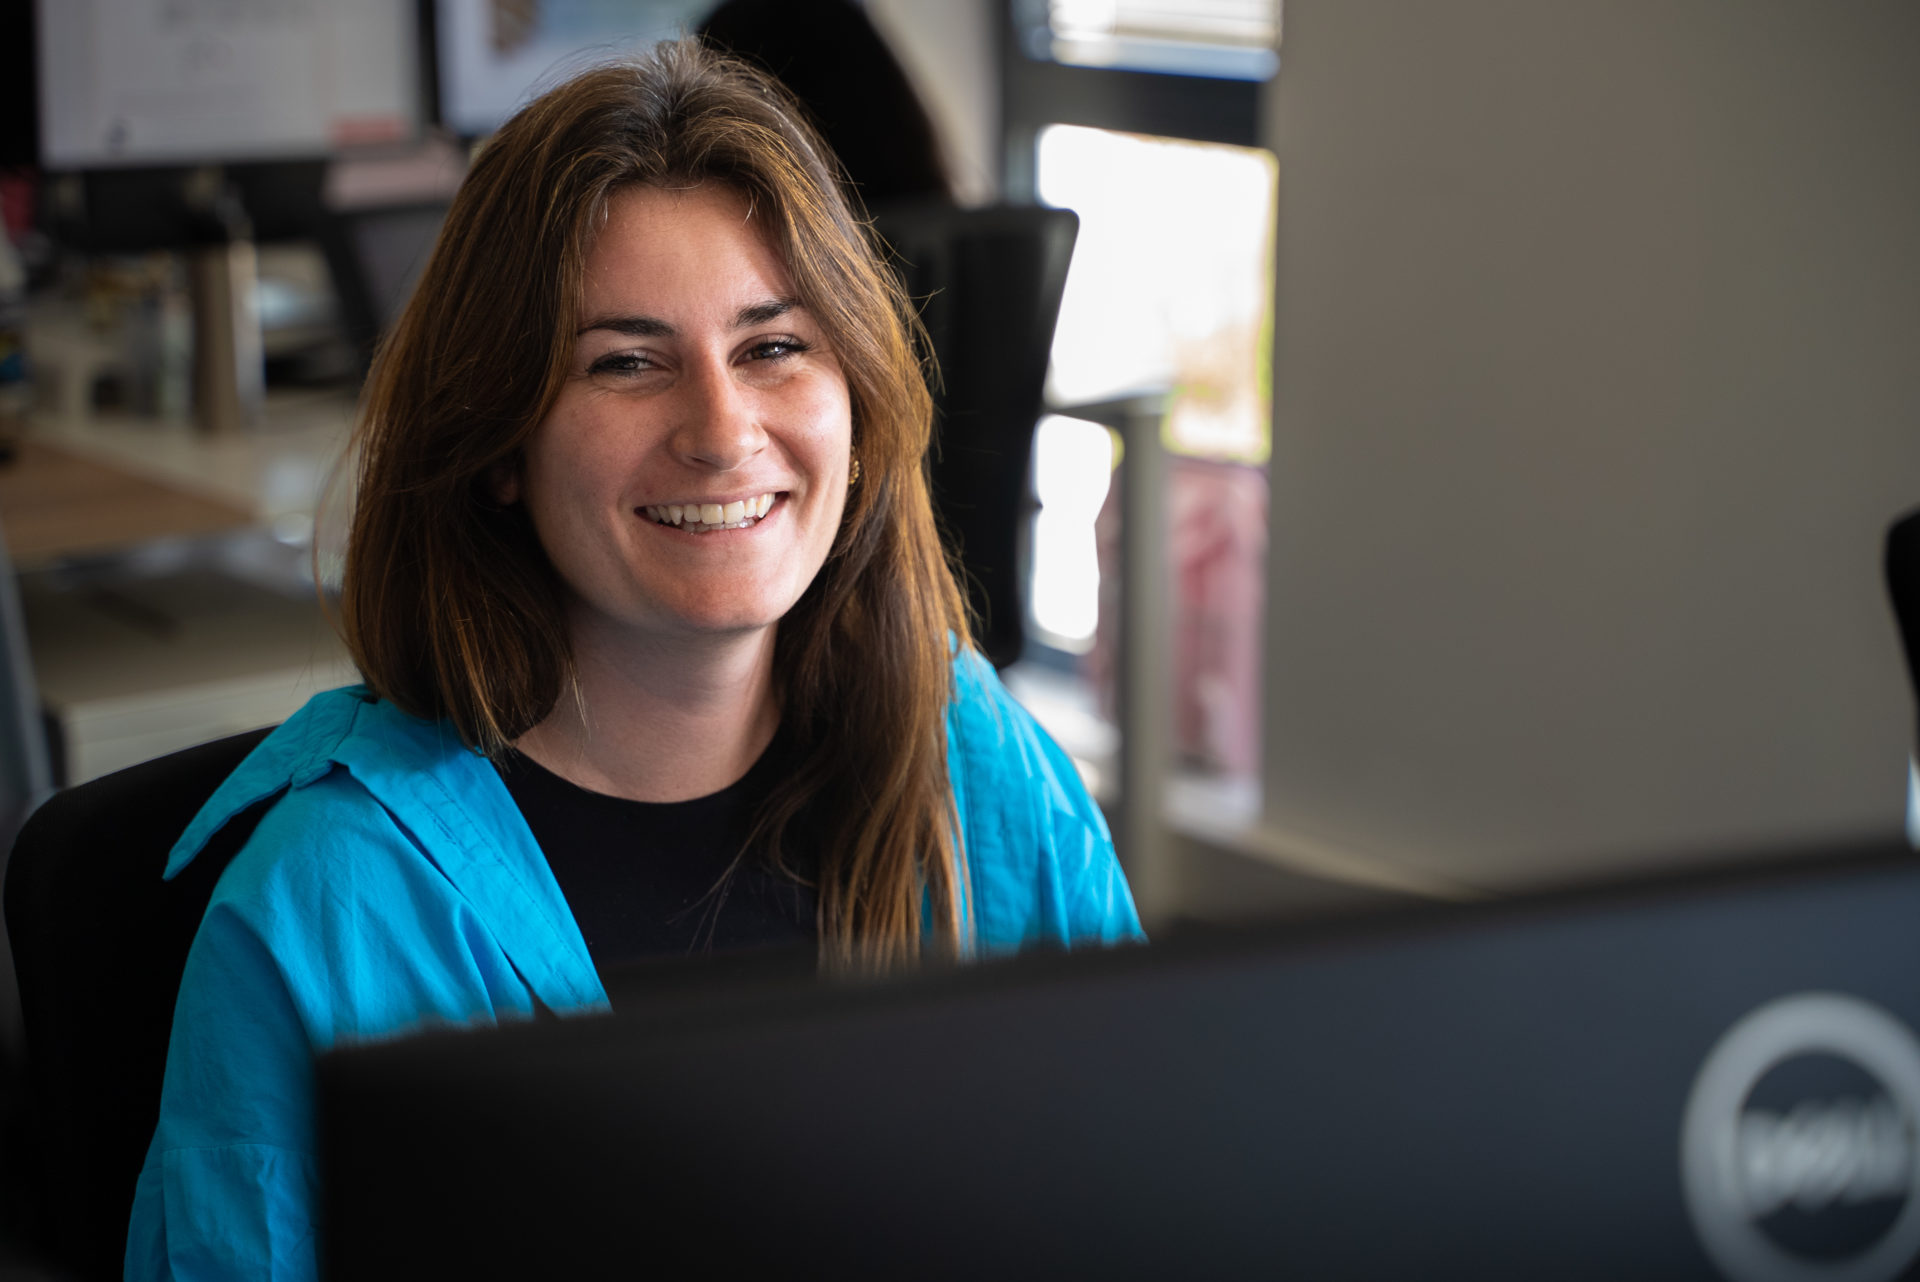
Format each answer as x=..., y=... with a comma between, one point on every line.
x=1072, y=468
x=1235, y=38
x=1170, y=283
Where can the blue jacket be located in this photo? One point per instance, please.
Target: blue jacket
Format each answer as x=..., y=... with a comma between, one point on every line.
x=394, y=886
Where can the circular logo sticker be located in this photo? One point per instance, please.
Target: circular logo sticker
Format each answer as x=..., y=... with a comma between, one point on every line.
x=1798, y=1152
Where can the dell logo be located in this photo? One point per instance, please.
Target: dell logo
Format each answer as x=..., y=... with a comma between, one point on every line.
x=1842, y=1150
x=1798, y=1151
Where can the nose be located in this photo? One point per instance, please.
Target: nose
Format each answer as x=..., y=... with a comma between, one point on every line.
x=718, y=425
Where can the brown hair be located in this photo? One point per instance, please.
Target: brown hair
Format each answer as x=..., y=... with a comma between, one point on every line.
x=452, y=610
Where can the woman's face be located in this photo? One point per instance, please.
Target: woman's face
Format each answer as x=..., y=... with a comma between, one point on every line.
x=691, y=476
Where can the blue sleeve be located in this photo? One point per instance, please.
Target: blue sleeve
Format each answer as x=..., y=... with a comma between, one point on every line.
x=1040, y=860
x=230, y=1182
x=1098, y=902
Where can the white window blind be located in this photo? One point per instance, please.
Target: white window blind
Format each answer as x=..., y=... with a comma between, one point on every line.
x=1235, y=38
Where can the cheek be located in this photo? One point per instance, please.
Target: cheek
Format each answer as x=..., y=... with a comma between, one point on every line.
x=569, y=457
x=557, y=482
x=835, y=500
x=831, y=440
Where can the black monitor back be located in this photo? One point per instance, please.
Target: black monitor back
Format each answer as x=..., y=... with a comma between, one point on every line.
x=1499, y=1092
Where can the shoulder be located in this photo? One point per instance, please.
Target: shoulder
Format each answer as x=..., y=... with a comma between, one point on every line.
x=325, y=783
x=390, y=880
x=382, y=748
x=1000, y=749
x=330, y=924
x=1040, y=860
x=340, y=894
x=390, y=885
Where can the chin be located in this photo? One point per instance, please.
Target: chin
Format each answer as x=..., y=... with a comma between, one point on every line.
x=715, y=608
x=724, y=622
x=731, y=626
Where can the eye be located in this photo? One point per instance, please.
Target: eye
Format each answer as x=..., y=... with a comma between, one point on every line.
x=773, y=349
x=621, y=363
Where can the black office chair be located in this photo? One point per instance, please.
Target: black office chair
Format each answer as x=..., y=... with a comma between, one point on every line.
x=1903, y=585
x=989, y=283
x=99, y=943
x=26, y=774
x=373, y=256
x=26, y=777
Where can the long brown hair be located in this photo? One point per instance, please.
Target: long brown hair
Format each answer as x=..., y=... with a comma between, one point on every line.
x=452, y=610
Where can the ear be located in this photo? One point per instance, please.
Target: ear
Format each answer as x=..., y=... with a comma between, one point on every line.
x=503, y=483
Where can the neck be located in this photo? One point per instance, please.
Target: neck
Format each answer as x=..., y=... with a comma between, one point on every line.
x=659, y=719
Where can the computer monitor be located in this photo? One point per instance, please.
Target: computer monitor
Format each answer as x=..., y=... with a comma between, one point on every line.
x=493, y=58
x=1691, y=1080
x=176, y=125
x=138, y=83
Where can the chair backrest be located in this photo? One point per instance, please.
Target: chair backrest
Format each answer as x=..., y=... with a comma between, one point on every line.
x=374, y=255
x=989, y=283
x=1903, y=585
x=99, y=943
x=25, y=774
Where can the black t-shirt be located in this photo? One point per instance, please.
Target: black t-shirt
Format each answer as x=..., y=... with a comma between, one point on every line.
x=645, y=879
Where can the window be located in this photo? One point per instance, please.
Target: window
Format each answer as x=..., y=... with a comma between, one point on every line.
x=1227, y=38
x=1168, y=295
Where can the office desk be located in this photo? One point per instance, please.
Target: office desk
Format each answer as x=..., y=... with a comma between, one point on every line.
x=137, y=654
x=56, y=504
x=274, y=474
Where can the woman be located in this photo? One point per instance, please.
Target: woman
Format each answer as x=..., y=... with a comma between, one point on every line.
x=641, y=547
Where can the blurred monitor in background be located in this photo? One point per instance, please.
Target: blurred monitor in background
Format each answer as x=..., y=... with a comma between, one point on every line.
x=494, y=56
x=132, y=82
x=169, y=127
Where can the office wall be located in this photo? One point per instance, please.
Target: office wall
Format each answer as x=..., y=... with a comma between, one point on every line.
x=950, y=49
x=1597, y=382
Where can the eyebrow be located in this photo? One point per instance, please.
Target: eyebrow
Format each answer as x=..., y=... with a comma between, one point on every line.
x=653, y=327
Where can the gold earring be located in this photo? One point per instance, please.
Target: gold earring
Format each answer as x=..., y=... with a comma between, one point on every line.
x=853, y=472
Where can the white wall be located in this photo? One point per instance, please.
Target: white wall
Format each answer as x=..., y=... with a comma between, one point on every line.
x=948, y=48
x=1597, y=383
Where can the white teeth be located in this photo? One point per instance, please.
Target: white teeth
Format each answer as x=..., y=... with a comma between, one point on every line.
x=737, y=515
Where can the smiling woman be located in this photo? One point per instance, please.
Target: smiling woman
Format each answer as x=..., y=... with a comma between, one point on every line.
x=662, y=654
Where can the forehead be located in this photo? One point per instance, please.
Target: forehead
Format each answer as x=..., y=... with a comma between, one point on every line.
x=681, y=248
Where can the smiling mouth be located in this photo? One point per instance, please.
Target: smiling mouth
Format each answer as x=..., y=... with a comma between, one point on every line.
x=706, y=518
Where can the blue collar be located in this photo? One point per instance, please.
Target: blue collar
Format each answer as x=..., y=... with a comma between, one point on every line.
x=450, y=799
